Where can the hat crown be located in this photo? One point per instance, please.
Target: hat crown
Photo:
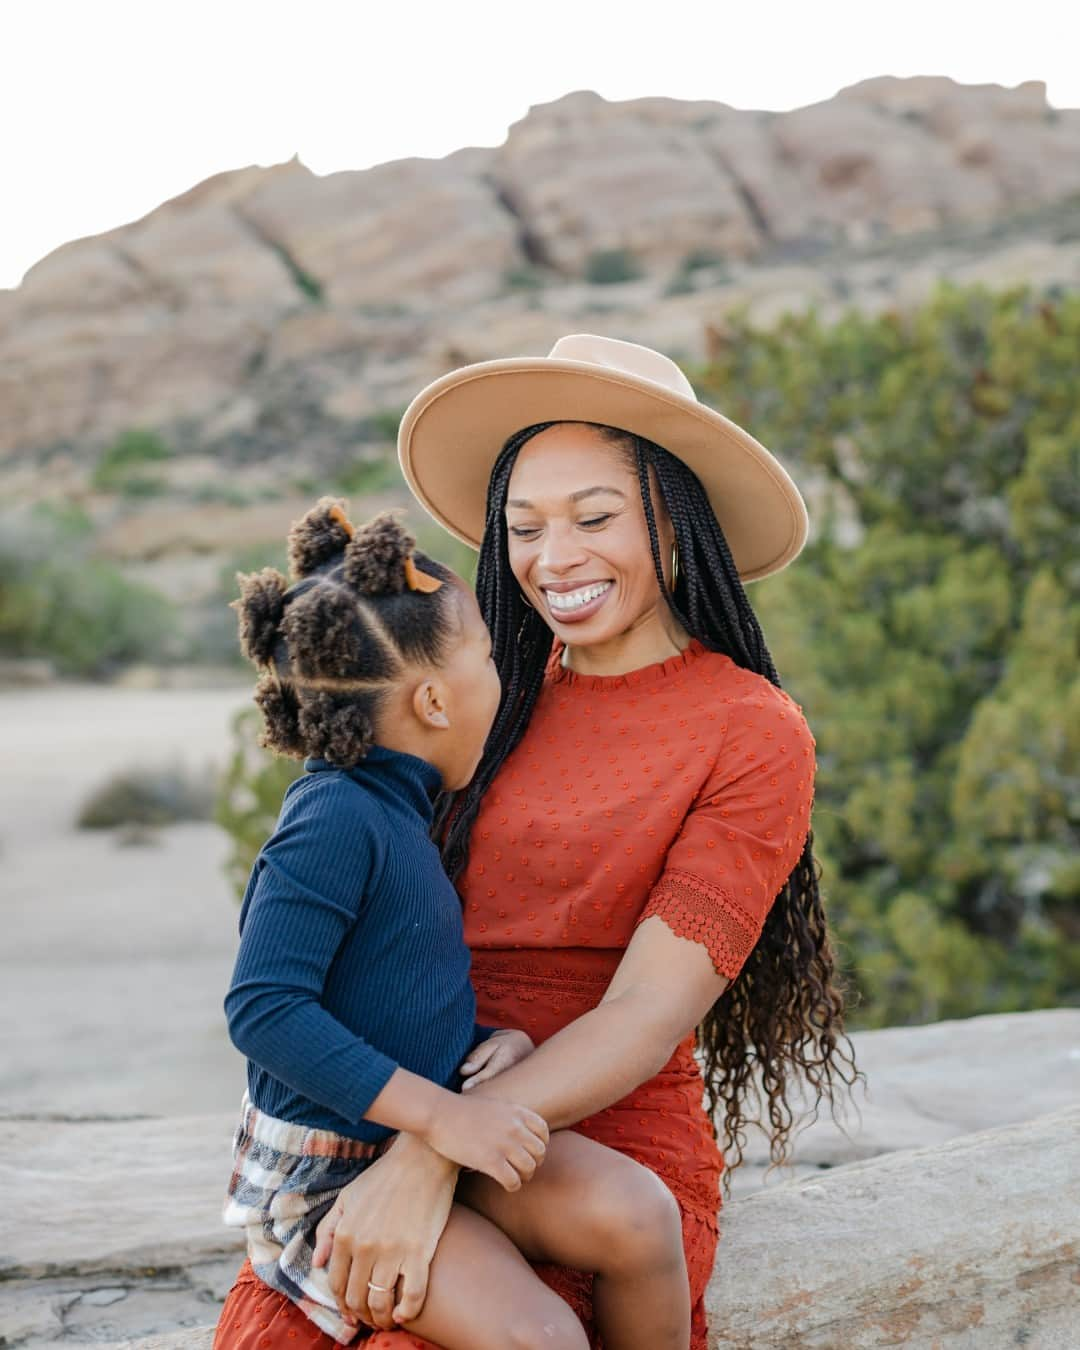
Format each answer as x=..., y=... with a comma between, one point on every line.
x=626, y=357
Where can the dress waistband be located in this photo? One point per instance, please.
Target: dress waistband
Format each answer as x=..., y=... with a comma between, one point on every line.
x=586, y=967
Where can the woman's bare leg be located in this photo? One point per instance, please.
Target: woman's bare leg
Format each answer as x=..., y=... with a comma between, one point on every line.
x=591, y=1208
x=483, y=1295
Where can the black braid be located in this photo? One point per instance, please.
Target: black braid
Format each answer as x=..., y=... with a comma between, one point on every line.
x=521, y=644
x=718, y=613
x=784, y=1011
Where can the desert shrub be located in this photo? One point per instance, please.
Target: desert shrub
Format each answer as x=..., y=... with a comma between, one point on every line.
x=249, y=795
x=366, y=477
x=608, y=266
x=937, y=658
x=148, y=796
x=381, y=426
x=699, y=258
x=525, y=277
x=124, y=465
x=58, y=601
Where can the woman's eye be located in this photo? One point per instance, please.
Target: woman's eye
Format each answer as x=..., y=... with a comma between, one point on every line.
x=596, y=520
x=524, y=531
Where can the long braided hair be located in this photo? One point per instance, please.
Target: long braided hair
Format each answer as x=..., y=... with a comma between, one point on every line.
x=784, y=1011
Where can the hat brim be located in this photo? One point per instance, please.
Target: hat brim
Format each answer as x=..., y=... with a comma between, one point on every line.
x=453, y=430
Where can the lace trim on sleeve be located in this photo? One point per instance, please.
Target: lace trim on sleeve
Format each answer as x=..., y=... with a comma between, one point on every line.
x=693, y=909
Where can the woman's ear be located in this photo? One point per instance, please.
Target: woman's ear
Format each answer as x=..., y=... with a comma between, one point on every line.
x=429, y=703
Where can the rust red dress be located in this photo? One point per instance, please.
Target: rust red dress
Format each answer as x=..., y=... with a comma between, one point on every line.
x=681, y=790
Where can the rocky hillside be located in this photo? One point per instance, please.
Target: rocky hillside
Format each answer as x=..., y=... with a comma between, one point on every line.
x=269, y=325
x=268, y=304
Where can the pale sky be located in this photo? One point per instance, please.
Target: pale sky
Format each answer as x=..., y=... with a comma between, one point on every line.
x=109, y=107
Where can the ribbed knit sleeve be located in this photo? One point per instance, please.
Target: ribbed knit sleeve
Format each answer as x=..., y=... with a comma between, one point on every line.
x=306, y=894
x=746, y=832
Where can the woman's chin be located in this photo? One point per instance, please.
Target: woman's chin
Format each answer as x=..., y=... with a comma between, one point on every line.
x=586, y=633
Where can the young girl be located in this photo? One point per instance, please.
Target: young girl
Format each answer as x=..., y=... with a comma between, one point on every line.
x=351, y=996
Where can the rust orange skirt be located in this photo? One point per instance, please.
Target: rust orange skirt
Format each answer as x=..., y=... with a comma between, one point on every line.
x=662, y=1125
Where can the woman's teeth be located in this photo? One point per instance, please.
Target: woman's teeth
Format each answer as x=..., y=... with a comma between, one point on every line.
x=575, y=599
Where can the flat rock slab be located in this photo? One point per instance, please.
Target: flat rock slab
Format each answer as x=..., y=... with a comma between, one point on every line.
x=926, y=1085
x=113, y=1309
x=969, y=1245
x=114, y=1197
x=112, y=1227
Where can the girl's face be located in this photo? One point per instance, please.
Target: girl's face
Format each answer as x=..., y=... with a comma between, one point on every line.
x=473, y=689
x=578, y=539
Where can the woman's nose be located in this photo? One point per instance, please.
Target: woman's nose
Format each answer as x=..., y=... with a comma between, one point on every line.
x=561, y=551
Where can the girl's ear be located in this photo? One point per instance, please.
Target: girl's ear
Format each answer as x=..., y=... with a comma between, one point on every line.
x=429, y=703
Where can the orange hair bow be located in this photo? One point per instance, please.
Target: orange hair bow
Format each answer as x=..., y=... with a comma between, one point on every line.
x=420, y=581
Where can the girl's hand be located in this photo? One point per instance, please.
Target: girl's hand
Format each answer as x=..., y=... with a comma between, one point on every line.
x=504, y=1141
x=499, y=1052
x=385, y=1227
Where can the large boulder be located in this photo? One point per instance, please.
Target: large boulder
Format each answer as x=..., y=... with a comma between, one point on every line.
x=587, y=176
x=968, y=1245
x=945, y=1218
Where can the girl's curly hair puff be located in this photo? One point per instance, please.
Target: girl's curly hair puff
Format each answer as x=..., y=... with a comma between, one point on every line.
x=330, y=646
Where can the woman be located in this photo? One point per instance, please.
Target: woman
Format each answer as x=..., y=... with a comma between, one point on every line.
x=634, y=854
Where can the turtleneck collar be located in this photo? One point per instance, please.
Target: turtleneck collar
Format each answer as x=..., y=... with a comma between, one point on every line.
x=411, y=780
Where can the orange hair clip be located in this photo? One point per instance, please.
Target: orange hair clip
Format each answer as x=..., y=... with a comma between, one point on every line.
x=420, y=581
x=337, y=514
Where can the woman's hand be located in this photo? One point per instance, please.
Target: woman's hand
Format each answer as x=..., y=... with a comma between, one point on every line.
x=384, y=1228
x=500, y=1051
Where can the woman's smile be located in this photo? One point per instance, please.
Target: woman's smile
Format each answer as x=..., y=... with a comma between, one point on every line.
x=571, y=602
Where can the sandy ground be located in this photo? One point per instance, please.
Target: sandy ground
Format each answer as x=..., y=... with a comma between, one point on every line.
x=113, y=959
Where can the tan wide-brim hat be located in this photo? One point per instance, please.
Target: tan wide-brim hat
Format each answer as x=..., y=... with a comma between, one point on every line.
x=452, y=433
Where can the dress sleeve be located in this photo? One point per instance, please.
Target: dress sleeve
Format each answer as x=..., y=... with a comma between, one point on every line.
x=745, y=833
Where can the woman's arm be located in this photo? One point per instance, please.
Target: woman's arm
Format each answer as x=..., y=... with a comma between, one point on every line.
x=395, y=1212
x=662, y=989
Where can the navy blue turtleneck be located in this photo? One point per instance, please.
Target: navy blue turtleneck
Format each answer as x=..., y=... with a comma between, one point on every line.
x=352, y=957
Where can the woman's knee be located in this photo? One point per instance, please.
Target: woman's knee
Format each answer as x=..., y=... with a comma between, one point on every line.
x=641, y=1222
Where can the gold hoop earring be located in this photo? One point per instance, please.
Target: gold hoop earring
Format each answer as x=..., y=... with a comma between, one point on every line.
x=523, y=598
x=674, y=565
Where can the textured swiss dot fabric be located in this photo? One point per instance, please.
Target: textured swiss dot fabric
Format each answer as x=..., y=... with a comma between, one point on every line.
x=683, y=790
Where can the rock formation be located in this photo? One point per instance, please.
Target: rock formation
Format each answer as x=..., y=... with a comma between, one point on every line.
x=267, y=306
x=945, y=1220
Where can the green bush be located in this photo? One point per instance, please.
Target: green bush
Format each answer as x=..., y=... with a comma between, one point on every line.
x=525, y=277
x=148, y=796
x=608, y=266
x=122, y=467
x=58, y=601
x=249, y=795
x=937, y=658
x=367, y=477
